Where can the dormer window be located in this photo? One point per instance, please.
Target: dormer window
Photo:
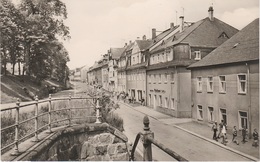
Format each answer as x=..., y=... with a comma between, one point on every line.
x=197, y=55
x=162, y=43
x=223, y=35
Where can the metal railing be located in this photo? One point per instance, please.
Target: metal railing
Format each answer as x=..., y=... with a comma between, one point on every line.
x=94, y=101
x=148, y=139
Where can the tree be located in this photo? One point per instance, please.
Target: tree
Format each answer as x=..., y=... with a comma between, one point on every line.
x=31, y=34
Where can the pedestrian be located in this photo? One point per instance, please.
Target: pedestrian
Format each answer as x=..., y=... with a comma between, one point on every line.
x=220, y=128
x=215, y=129
x=224, y=134
x=244, y=132
x=255, y=136
x=235, y=135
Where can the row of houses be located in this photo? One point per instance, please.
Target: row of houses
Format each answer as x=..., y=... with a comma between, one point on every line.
x=206, y=70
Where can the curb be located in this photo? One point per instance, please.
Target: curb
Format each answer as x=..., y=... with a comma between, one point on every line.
x=197, y=135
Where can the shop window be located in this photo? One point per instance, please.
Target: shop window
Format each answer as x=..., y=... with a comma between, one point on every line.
x=172, y=103
x=166, y=102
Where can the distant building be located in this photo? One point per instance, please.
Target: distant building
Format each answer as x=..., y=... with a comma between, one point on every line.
x=225, y=83
x=168, y=80
x=136, y=69
x=114, y=55
x=83, y=73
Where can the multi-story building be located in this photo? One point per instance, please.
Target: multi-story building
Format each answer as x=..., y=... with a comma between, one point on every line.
x=96, y=74
x=114, y=55
x=168, y=80
x=225, y=84
x=136, y=69
x=122, y=69
x=104, y=72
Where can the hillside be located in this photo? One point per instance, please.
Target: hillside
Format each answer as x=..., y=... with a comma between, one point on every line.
x=25, y=88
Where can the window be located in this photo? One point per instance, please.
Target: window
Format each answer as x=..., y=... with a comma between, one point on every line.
x=223, y=115
x=243, y=121
x=199, y=84
x=162, y=57
x=241, y=83
x=166, y=102
x=172, y=77
x=210, y=114
x=200, y=112
x=154, y=78
x=159, y=78
x=160, y=100
x=150, y=99
x=197, y=55
x=222, y=84
x=210, y=84
x=149, y=79
x=137, y=59
x=172, y=103
x=165, y=78
x=158, y=58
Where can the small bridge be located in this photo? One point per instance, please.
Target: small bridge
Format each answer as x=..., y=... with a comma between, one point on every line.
x=68, y=112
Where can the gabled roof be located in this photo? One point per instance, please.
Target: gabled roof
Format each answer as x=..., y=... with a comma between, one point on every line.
x=116, y=52
x=243, y=46
x=162, y=35
x=143, y=44
x=203, y=33
x=128, y=47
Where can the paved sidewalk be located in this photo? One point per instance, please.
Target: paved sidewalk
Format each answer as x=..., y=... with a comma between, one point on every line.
x=201, y=130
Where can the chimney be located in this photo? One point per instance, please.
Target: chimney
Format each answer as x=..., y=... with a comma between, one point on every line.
x=153, y=33
x=172, y=25
x=181, y=23
x=144, y=37
x=130, y=42
x=211, y=17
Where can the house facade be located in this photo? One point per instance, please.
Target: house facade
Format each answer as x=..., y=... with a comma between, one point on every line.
x=225, y=84
x=114, y=55
x=136, y=69
x=169, y=82
x=122, y=77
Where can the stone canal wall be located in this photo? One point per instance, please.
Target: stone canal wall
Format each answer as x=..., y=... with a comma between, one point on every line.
x=93, y=142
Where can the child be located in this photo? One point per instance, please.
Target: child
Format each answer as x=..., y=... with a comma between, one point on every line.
x=244, y=132
x=255, y=136
x=235, y=135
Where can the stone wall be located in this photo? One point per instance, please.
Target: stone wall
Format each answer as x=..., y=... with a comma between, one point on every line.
x=104, y=147
x=94, y=142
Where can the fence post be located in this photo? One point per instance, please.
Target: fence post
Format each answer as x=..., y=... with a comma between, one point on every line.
x=16, y=150
x=98, y=112
x=49, y=124
x=36, y=139
x=70, y=115
x=147, y=145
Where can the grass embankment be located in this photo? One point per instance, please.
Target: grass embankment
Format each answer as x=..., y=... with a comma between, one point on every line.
x=107, y=107
x=12, y=87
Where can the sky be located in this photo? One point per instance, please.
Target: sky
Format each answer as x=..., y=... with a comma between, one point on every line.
x=98, y=25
